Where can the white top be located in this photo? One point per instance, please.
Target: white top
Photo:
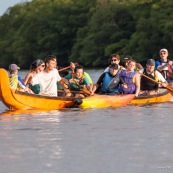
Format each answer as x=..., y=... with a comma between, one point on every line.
x=47, y=82
x=160, y=77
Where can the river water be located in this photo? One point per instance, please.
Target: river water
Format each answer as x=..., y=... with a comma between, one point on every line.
x=130, y=139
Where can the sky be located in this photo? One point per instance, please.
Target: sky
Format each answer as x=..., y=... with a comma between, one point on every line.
x=5, y=4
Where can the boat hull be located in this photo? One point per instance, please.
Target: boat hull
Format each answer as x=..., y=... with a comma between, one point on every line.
x=21, y=100
x=164, y=96
x=104, y=101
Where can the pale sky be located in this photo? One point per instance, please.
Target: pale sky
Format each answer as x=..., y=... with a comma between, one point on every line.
x=5, y=4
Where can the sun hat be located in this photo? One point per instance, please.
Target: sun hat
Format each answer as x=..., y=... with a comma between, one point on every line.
x=13, y=67
x=151, y=62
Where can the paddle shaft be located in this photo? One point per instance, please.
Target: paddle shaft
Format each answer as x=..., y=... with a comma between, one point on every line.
x=82, y=90
x=168, y=87
x=65, y=68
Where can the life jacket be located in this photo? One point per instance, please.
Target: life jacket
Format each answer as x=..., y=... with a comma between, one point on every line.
x=170, y=72
x=14, y=83
x=165, y=73
x=110, y=83
x=147, y=84
x=127, y=79
x=76, y=85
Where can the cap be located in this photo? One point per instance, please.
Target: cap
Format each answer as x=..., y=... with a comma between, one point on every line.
x=115, y=66
x=151, y=62
x=13, y=67
x=164, y=50
x=127, y=58
x=37, y=63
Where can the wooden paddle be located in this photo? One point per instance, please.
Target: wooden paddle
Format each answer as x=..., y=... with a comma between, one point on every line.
x=65, y=68
x=167, y=87
x=83, y=89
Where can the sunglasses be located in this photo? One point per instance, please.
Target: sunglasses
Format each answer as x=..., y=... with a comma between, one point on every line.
x=114, y=60
x=162, y=53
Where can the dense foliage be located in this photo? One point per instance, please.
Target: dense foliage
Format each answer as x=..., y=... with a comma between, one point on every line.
x=86, y=31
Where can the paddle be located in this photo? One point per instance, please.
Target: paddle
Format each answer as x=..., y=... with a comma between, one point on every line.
x=167, y=87
x=65, y=68
x=83, y=89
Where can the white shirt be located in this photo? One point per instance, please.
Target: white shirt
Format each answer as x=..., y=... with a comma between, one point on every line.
x=47, y=82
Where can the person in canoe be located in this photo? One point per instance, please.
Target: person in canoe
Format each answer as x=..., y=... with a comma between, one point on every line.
x=148, y=87
x=36, y=66
x=109, y=81
x=114, y=59
x=73, y=65
x=165, y=66
x=46, y=80
x=131, y=84
x=126, y=59
x=16, y=82
x=77, y=82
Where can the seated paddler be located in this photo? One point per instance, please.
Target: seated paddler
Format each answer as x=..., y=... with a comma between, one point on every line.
x=79, y=86
x=109, y=81
x=16, y=82
x=45, y=82
x=151, y=79
x=131, y=79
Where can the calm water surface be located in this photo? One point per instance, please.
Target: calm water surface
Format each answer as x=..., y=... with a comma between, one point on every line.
x=132, y=139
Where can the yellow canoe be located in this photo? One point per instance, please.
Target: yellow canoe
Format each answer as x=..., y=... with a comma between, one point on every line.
x=163, y=96
x=21, y=100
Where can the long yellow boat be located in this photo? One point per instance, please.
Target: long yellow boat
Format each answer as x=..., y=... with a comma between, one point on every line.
x=18, y=100
x=163, y=96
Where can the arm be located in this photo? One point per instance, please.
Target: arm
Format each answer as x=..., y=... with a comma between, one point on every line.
x=21, y=82
x=137, y=83
x=99, y=82
x=161, y=67
x=27, y=78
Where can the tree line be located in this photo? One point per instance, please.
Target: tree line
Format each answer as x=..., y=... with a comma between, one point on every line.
x=85, y=31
